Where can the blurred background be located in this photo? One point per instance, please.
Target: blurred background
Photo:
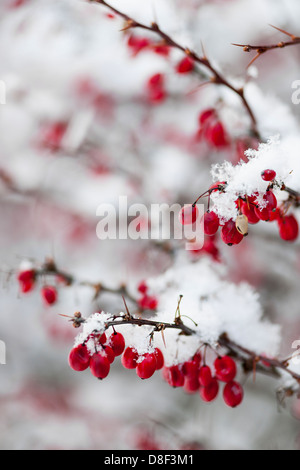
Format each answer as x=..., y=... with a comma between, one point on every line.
x=79, y=128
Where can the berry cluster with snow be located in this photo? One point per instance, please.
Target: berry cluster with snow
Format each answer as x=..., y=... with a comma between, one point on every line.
x=105, y=100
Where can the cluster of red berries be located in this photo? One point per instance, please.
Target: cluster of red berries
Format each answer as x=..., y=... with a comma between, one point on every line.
x=27, y=281
x=146, y=301
x=196, y=376
x=233, y=231
x=140, y=43
x=212, y=130
x=191, y=375
x=106, y=349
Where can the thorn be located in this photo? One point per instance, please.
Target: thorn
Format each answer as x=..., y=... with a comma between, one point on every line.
x=292, y=36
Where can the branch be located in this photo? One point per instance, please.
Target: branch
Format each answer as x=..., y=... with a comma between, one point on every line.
x=216, y=77
x=250, y=361
x=262, y=49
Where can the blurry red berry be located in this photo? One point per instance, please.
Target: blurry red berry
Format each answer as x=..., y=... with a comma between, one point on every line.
x=26, y=280
x=191, y=384
x=146, y=368
x=99, y=365
x=186, y=65
x=129, y=358
x=225, y=369
x=109, y=353
x=79, y=358
x=233, y=394
x=205, y=376
x=142, y=287
x=188, y=214
x=206, y=115
x=210, y=392
x=174, y=376
x=49, y=294
x=288, y=228
x=211, y=223
x=216, y=135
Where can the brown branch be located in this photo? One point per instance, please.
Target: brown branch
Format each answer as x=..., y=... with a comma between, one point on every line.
x=216, y=77
x=262, y=49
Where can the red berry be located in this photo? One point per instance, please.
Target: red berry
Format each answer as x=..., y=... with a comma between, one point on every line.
x=159, y=358
x=268, y=175
x=225, y=368
x=148, y=303
x=186, y=65
x=117, y=342
x=156, y=90
x=211, y=223
x=210, y=392
x=191, y=384
x=249, y=211
x=288, y=228
x=206, y=116
x=109, y=353
x=205, y=376
x=102, y=339
x=26, y=280
x=49, y=294
x=230, y=235
x=146, y=368
x=79, y=358
x=190, y=368
x=271, y=200
x=188, y=214
x=216, y=135
x=263, y=214
x=137, y=43
x=129, y=358
x=99, y=365
x=142, y=287
x=233, y=394
x=174, y=376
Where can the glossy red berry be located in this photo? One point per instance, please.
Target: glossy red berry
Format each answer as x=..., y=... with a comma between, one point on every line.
x=159, y=358
x=147, y=366
x=268, y=175
x=288, y=228
x=230, y=235
x=249, y=211
x=205, y=376
x=271, y=200
x=186, y=65
x=188, y=214
x=108, y=353
x=79, y=358
x=233, y=394
x=263, y=214
x=49, y=295
x=225, y=369
x=211, y=223
x=210, y=392
x=117, y=342
x=174, y=376
x=129, y=358
x=99, y=365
